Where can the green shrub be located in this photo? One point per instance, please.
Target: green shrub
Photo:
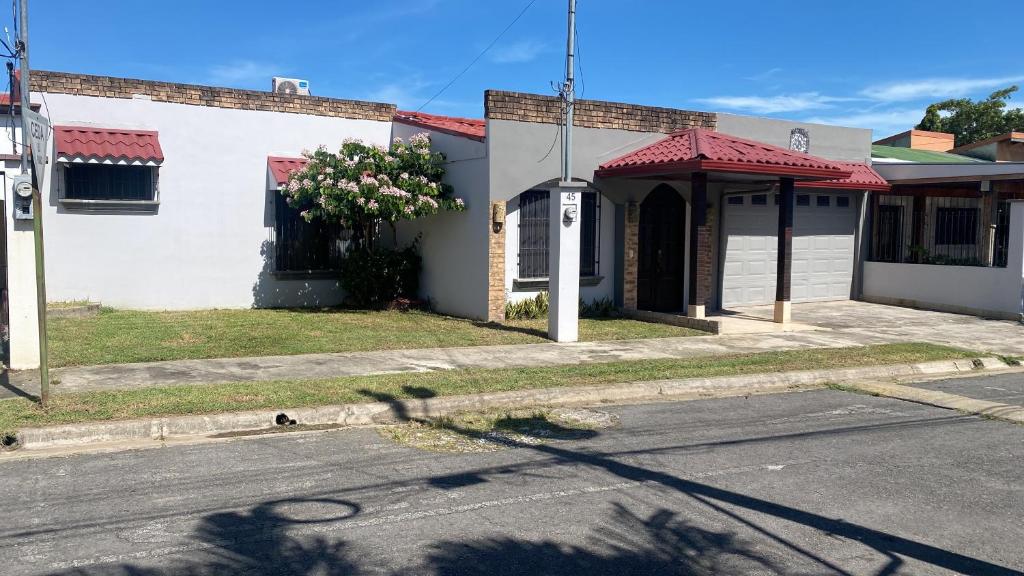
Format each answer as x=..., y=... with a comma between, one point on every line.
x=603, y=308
x=537, y=307
x=376, y=278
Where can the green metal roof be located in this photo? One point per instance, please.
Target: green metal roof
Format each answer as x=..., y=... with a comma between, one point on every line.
x=919, y=156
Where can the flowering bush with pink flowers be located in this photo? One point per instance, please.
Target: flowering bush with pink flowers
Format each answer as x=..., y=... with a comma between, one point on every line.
x=362, y=185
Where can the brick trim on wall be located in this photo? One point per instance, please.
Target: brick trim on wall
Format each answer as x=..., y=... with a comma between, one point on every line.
x=496, y=263
x=521, y=107
x=196, y=95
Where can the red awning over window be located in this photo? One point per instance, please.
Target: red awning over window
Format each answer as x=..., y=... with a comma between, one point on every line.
x=281, y=167
x=107, y=145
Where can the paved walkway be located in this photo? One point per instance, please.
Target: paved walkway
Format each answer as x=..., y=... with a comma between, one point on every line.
x=839, y=324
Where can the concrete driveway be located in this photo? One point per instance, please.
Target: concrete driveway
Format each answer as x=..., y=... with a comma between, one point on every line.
x=898, y=324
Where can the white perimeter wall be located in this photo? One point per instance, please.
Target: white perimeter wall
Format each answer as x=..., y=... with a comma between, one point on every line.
x=995, y=292
x=205, y=247
x=454, y=244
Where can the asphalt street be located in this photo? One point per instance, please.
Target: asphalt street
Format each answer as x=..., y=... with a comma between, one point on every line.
x=821, y=482
x=1006, y=388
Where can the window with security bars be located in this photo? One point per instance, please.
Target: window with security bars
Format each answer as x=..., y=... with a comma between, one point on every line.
x=302, y=246
x=534, y=210
x=109, y=182
x=945, y=230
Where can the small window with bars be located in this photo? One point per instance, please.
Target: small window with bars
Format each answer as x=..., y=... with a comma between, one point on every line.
x=534, y=235
x=110, y=182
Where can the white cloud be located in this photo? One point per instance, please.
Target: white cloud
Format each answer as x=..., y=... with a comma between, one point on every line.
x=411, y=93
x=766, y=75
x=935, y=88
x=774, y=104
x=243, y=73
x=883, y=122
x=516, y=52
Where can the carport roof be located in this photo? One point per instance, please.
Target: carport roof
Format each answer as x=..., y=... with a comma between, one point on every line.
x=862, y=177
x=702, y=150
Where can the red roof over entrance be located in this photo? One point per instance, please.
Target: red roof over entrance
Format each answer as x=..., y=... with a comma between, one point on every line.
x=702, y=150
x=281, y=167
x=88, y=143
x=473, y=128
x=862, y=177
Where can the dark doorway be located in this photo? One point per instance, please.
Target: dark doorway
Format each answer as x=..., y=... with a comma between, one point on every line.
x=662, y=251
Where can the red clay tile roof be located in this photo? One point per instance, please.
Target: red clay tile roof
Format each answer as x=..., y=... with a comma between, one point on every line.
x=702, y=150
x=281, y=167
x=862, y=177
x=473, y=128
x=85, y=142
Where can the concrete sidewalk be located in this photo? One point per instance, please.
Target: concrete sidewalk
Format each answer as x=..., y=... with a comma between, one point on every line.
x=219, y=370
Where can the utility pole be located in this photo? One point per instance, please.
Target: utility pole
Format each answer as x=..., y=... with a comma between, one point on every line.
x=564, y=223
x=37, y=204
x=569, y=94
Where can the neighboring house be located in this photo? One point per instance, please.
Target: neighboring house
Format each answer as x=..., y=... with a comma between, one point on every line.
x=948, y=235
x=1007, y=147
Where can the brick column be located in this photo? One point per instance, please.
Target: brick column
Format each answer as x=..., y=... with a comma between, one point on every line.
x=784, y=260
x=496, y=263
x=631, y=256
x=700, y=247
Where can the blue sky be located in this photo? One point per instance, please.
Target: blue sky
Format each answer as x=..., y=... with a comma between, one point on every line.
x=866, y=63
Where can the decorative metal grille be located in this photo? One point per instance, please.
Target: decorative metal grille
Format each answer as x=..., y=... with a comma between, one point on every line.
x=534, y=218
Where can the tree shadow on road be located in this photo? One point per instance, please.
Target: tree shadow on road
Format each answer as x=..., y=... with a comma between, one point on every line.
x=297, y=536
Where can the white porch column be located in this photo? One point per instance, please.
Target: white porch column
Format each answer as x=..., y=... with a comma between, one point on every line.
x=564, y=262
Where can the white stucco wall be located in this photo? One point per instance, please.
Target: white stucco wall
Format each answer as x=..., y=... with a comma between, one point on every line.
x=995, y=292
x=205, y=246
x=454, y=244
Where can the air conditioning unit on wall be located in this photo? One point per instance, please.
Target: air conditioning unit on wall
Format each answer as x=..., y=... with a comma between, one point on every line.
x=291, y=86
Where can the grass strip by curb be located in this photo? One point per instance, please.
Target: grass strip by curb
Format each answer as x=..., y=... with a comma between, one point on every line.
x=209, y=399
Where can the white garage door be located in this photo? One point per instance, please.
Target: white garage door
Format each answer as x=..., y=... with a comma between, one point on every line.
x=823, y=239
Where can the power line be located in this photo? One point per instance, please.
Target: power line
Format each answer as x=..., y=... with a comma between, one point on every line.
x=480, y=55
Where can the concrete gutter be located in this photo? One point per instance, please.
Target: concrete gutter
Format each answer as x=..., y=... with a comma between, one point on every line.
x=206, y=426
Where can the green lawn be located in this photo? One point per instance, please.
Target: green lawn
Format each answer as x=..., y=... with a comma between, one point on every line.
x=213, y=398
x=118, y=336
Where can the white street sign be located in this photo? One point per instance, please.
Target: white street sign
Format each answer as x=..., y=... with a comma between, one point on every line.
x=39, y=131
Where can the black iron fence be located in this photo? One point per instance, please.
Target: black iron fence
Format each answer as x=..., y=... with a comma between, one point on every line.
x=955, y=231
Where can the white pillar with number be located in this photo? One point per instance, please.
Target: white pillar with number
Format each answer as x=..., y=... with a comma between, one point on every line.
x=564, y=262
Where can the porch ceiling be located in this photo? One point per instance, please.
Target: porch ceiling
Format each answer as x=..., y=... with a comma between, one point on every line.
x=700, y=150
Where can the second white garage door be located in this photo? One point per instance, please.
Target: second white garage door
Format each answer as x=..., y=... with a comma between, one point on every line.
x=824, y=228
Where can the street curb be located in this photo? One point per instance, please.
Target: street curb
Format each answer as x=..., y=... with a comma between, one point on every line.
x=165, y=428
x=996, y=410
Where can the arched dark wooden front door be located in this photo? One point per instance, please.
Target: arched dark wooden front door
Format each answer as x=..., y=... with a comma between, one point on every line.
x=662, y=251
